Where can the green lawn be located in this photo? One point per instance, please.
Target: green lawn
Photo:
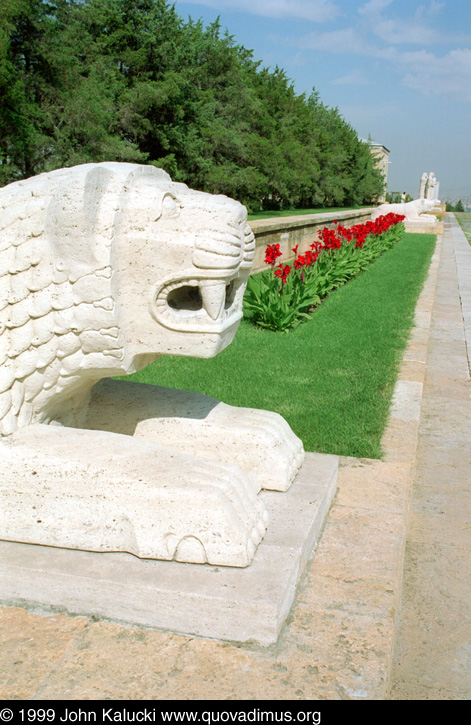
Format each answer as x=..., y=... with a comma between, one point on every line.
x=332, y=377
x=464, y=219
x=297, y=212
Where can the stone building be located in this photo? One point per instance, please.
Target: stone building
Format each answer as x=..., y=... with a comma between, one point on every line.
x=381, y=155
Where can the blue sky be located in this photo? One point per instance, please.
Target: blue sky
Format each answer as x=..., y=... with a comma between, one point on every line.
x=398, y=70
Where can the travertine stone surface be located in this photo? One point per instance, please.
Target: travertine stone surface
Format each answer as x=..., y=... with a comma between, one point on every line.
x=237, y=604
x=103, y=268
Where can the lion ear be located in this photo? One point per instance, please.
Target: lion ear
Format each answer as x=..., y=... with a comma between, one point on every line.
x=79, y=221
x=147, y=195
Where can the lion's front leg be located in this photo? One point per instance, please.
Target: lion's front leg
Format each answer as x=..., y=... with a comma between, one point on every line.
x=258, y=441
x=101, y=491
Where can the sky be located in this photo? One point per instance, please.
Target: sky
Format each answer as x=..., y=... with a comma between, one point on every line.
x=399, y=71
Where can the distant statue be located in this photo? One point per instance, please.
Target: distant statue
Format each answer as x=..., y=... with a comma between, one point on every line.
x=431, y=186
x=423, y=186
x=103, y=269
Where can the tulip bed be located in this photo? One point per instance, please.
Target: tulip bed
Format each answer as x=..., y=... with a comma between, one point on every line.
x=283, y=296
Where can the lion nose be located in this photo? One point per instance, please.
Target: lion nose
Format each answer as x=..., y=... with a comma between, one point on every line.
x=226, y=251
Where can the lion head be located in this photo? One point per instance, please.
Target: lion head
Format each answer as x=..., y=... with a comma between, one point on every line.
x=104, y=267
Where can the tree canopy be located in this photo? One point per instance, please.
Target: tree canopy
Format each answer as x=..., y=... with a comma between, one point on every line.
x=128, y=80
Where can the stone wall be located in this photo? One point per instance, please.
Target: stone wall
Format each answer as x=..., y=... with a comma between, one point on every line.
x=302, y=230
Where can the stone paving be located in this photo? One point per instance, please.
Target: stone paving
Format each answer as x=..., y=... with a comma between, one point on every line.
x=433, y=651
x=339, y=641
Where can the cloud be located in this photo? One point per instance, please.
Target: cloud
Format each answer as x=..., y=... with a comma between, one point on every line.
x=354, y=78
x=433, y=9
x=412, y=30
x=318, y=11
x=449, y=75
x=402, y=32
x=374, y=7
x=350, y=41
x=424, y=71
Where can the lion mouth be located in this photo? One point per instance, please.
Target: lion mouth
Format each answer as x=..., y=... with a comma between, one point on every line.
x=199, y=304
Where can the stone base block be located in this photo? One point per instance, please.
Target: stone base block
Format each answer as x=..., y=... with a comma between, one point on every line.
x=243, y=605
x=421, y=228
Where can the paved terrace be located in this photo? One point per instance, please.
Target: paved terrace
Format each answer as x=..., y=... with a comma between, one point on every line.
x=399, y=529
x=433, y=648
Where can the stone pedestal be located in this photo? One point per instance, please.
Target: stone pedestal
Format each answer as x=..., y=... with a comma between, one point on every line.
x=417, y=227
x=228, y=603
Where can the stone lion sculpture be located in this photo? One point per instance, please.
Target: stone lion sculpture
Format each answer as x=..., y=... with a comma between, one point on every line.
x=414, y=211
x=103, y=268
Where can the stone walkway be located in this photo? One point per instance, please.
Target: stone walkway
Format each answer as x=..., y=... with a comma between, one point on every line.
x=340, y=639
x=433, y=649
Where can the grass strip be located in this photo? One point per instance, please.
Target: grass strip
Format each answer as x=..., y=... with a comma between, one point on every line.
x=331, y=378
x=464, y=220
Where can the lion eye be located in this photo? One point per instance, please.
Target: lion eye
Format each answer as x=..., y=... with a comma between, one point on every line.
x=170, y=206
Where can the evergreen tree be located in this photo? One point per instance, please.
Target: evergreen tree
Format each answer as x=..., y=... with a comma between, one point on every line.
x=129, y=80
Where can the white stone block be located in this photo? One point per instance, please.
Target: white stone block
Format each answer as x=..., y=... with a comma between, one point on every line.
x=242, y=605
